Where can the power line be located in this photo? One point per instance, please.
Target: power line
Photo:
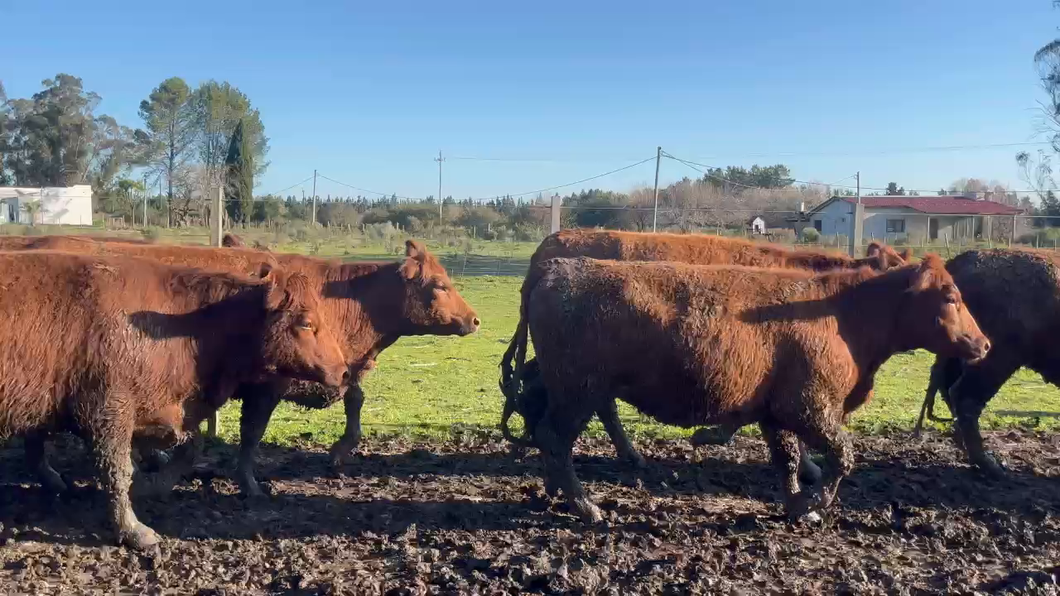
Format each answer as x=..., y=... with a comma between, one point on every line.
x=359, y=189
x=291, y=186
x=891, y=151
x=551, y=188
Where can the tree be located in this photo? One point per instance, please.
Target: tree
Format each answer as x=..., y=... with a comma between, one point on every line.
x=32, y=208
x=239, y=176
x=217, y=108
x=55, y=139
x=894, y=190
x=169, y=119
x=736, y=179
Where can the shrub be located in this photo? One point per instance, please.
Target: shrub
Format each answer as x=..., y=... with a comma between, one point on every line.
x=152, y=233
x=810, y=235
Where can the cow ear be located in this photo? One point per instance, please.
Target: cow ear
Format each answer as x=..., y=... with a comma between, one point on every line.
x=872, y=250
x=276, y=292
x=906, y=255
x=926, y=274
x=415, y=257
x=264, y=270
x=415, y=250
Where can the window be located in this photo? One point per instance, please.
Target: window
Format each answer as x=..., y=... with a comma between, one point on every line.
x=896, y=226
x=817, y=225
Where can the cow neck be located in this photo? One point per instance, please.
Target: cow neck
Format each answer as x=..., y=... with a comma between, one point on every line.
x=366, y=298
x=869, y=308
x=225, y=321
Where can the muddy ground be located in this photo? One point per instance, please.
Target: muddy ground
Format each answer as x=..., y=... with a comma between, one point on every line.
x=464, y=517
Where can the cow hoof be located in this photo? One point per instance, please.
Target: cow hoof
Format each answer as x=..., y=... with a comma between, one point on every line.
x=341, y=454
x=142, y=539
x=991, y=467
x=587, y=511
x=53, y=482
x=551, y=488
x=710, y=435
x=799, y=506
x=636, y=461
x=252, y=490
x=809, y=473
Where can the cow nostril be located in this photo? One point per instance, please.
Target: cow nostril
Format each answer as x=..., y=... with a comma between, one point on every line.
x=345, y=375
x=986, y=346
x=476, y=322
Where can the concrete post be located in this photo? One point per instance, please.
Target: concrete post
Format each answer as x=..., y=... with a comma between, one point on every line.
x=857, y=224
x=556, y=202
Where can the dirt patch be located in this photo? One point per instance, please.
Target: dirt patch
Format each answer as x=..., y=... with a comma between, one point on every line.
x=464, y=517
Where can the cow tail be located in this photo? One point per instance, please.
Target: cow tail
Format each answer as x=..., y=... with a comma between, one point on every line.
x=512, y=375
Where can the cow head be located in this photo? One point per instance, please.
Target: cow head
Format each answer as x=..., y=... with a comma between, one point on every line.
x=296, y=344
x=935, y=317
x=883, y=257
x=432, y=304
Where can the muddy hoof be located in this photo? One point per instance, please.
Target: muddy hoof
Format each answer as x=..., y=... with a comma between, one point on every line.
x=809, y=473
x=551, y=488
x=587, y=511
x=341, y=453
x=635, y=460
x=252, y=490
x=141, y=539
x=991, y=467
x=711, y=435
x=53, y=482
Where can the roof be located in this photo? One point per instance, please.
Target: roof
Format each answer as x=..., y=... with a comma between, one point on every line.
x=937, y=205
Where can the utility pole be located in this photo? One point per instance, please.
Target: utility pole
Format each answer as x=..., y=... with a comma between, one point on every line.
x=440, y=160
x=314, y=198
x=857, y=221
x=655, y=215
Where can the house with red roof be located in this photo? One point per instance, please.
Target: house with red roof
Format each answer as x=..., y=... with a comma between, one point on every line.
x=914, y=218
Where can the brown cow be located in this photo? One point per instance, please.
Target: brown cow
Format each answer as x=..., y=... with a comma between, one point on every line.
x=1015, y=296
x=685, y=344
x=111, y=346
x=368, y=305
x=686, y=248
x=230, y=240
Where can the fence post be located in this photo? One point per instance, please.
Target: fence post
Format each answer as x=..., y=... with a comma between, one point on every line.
x=556, y=200
x=857, y=225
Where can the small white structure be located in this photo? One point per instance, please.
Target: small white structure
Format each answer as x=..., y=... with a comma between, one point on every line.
x=757, y=225
x=68, y=206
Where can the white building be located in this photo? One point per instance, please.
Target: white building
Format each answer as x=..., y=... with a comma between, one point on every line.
x=70, y=206
x=914, y=218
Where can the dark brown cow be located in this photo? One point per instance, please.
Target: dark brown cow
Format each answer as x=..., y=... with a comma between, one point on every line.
x=1015, y=296
x=685, y=248
x=685, y=344
x=230, y=240
x=368, y=305
x=111, y=346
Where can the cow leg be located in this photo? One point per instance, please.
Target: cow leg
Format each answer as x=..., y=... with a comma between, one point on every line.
x=839, y=455
x=259, y=402
x=969, y=396
x=37, y=460
x=555, y=436
x=609, y=417
x=809, y=472
x=346, y=446
x=784, y=448
x=110, y=440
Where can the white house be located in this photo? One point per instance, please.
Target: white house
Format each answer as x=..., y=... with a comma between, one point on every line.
x=757, y=225
x=904, y=217
x=71, y=205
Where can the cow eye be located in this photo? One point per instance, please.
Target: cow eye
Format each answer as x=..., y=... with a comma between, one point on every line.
x=305, y=325
x=951, y=299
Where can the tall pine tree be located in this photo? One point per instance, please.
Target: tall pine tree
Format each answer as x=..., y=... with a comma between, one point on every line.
x=239, y=176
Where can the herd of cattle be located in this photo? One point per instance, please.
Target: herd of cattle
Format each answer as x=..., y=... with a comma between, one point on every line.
x=130, y=345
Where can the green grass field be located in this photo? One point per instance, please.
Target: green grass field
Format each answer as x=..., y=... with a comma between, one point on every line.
x=428, y=386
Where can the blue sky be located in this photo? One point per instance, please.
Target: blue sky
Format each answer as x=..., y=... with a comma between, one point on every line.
x=367, y=93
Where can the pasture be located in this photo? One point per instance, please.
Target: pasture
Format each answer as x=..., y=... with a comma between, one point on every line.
x=435, y=504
